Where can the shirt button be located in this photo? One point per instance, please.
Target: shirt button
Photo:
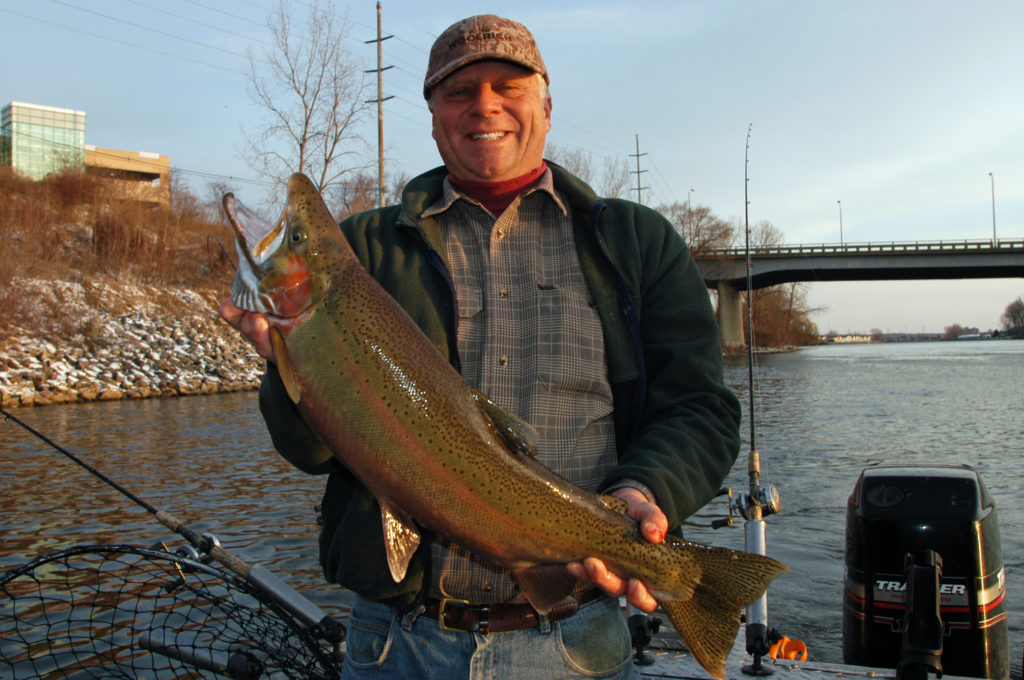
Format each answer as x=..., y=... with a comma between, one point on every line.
x=503, y=293
x=503, y=360
x=500, y=233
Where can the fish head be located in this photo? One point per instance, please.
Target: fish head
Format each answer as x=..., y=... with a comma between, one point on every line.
x=284, y=268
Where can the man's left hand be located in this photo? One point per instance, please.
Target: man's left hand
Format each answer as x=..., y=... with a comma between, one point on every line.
x=653, y=527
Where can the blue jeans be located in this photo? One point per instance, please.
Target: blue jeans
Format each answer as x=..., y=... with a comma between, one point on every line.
x=592, y=643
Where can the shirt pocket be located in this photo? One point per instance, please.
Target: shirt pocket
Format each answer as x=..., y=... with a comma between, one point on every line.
x=570, y=341
x=470, y=300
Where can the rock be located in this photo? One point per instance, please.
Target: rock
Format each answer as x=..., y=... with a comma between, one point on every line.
x=141, y=355
x=111, y=394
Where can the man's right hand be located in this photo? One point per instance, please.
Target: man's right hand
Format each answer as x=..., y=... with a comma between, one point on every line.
x=253, y=326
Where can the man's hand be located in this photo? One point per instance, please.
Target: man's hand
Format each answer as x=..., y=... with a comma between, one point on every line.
x=252, y=325
x=653, y=527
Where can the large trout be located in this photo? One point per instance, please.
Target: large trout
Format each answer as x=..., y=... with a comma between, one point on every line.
x=436, y=453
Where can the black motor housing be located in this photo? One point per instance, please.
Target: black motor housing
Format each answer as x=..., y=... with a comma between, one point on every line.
x=896, y=511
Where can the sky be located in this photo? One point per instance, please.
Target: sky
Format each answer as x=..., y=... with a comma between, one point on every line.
x=873, y=121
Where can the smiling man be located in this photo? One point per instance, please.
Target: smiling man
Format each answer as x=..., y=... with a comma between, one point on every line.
x=586, y=317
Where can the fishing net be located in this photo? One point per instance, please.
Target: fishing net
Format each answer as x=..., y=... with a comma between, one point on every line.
x=120, y=611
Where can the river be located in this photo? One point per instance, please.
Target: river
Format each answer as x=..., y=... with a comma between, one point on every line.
x=822, y=415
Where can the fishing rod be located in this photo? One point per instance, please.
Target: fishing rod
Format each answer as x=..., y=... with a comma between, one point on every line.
x=309, y=614
x=759, y=501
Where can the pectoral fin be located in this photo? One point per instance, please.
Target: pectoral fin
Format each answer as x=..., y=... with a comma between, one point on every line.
x=545, y=585
x=400, y=540
x=284, y=365
x=517, y=434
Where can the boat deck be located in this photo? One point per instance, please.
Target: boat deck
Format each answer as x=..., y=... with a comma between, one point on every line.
x=675, y=663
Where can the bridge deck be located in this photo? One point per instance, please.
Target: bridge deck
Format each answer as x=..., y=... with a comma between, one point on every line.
x=773, y=265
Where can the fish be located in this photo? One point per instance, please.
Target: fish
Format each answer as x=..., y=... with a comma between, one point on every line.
x=438, y=454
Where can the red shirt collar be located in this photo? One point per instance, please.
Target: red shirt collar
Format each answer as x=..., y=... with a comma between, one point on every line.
x=496, y=196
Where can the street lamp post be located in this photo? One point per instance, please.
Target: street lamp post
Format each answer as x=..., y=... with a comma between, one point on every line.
x=840, y=204
x=992, y=179
x=689, y=213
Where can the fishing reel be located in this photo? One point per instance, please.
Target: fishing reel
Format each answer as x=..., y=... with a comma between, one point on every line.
x=768, y=500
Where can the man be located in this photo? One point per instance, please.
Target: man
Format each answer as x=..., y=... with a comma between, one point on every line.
x=586, y=317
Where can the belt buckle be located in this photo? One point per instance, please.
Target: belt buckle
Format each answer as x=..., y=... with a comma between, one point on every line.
x=445, y=601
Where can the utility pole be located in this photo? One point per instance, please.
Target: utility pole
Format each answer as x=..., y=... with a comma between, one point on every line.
x=637, y=155
x=379, y=101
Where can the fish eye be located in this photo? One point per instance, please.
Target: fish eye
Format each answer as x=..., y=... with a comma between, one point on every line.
x=297, y=236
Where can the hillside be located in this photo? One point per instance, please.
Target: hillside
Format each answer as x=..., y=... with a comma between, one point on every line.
x=106, y=340
x=106, y=300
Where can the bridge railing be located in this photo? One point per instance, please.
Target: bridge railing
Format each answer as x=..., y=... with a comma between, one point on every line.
x=909, y=247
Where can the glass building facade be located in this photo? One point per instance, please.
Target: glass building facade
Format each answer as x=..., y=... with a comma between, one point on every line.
x=36, y=140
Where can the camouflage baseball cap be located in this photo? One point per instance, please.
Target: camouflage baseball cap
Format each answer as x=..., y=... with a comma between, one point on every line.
x=484, y=36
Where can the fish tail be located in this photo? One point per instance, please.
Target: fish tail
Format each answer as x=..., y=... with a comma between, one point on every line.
x=708, y=625
x=721, y=582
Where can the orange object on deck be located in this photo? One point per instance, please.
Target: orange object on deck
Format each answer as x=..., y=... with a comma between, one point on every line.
x=793, y=650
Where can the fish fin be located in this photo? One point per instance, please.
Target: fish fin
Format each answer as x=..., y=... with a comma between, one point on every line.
x=545, y=585
x=708, y=623
x=705, y=600
x=284, y=365
x=615, y=504
x=517, y=434
x=740, y=577
x=400, y=540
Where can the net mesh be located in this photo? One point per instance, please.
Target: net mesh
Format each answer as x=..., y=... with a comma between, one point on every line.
x=127, y=612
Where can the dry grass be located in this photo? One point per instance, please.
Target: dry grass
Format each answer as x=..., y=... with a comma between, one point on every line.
x=66, y=228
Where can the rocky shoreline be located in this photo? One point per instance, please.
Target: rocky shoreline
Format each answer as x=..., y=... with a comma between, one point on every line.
x=143, y=358
x=139, y=354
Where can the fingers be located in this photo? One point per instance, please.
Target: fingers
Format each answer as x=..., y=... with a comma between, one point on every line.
x=254, y=327
x=653, y=522
x=595, y=570
x=653, y=526
x=231, y=313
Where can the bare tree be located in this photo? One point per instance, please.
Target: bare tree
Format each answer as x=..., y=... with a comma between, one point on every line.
x=614, y=180
x=762, y=235
x=573, y=159
x=615, y=177
x=1013, y=316
x=702, y=231
x=314, y=95
x=359, y=191
x=781, y=313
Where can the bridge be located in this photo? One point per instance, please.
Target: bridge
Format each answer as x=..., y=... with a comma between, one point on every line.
x=725, y=269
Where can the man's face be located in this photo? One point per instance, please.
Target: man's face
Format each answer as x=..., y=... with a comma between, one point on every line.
x=490, y=121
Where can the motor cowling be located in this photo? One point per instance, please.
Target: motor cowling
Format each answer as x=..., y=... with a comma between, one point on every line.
x=896, y=517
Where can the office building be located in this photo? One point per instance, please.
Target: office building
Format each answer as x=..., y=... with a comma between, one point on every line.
x=38, y=140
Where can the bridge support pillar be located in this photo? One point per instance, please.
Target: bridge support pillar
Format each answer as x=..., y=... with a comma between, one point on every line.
x=730, y=319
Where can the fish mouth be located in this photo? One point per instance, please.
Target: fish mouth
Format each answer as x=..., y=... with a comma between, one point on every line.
x=256, y=240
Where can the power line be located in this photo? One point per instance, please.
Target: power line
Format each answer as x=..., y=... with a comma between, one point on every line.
x=147, y=28
x=197, y=22
x=123, y=42
x=227, y=14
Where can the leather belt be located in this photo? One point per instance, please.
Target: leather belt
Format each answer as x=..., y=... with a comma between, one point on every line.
x=461, y=616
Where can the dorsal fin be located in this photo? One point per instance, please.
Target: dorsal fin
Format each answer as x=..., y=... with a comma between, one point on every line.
x=517, y=434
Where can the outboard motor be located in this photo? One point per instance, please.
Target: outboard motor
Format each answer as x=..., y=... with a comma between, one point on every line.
x=925, y=589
